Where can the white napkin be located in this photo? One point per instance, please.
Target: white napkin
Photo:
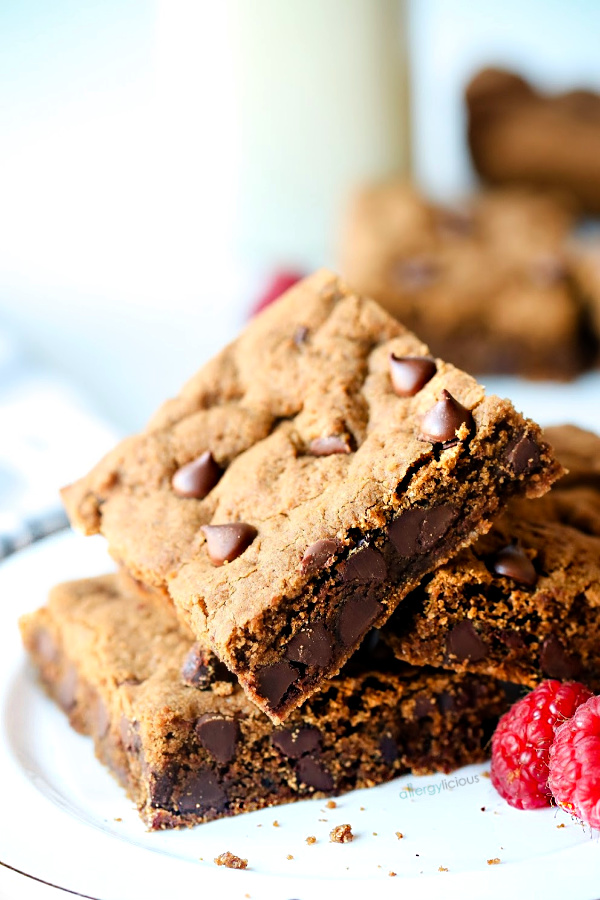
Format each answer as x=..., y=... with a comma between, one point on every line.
x=49, y=436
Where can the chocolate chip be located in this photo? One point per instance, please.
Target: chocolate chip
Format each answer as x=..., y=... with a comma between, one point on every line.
x=389, y=749
x=512, y=562
x=367, y=564
x=218, y=735
x=198, y=792
x=197, y=478
x=226, y=542
x=547, y=271
x=44, y=646
x=295, y=744
x=556, y=662
x=464, y=643
x=418, y=530
x=444, y=419
x=314, y=774
x=356, y=615
x=312, y=646
x=201, y=668
x=300, y=335
x=410, y=374
x=102, y=718
x=523, y=454
x=66, y=689
x=319, y=555
x=130, y=735
x=416, y=273
x=455, y=222
x=327, y=446
x=274, y=680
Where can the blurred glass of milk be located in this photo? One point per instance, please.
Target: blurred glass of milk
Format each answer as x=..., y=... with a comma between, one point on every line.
x=321, y=105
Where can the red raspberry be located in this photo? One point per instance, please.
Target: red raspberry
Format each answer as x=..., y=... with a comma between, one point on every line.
x=278, y=285
x=574, y=776
x=522, y=741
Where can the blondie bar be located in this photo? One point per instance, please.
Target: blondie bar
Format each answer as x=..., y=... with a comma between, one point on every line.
x=490, y=286
x=523, y=602
x=188, y=746
x=304, y=481
x=519, y=135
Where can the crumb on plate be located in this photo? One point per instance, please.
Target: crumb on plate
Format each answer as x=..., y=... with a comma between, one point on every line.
x=341, y=834
x=230, y=861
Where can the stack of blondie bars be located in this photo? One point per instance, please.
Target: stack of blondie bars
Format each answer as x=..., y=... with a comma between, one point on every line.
x=330, y=558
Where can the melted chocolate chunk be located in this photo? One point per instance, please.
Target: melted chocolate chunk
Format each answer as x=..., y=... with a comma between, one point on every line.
x=312, y=646
x=198, y=792
x=444, y=419
x=424, y=706
x=464, y=643
x=512, y=639
x=556, y=662
x=197, y=478
x=389, y=749
x=218, y=735
x=367, y=564
x=327, y=446
x=226, y=542
x=295, y=744
x=523, y=455
x=513, y=563
x=160, y=785
x=418, y=530
x=201, y=668
x=446, y=703
x=129, y=733
x=319, y=555
x=356, y=615
x=273, y=681
x=314, y=774
x=410, y=374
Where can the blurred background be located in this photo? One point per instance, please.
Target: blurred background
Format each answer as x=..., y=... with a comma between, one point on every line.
x=161, y=161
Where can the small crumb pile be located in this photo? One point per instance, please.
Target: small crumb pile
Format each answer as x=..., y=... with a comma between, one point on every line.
x=341, y=834
x=231, y=861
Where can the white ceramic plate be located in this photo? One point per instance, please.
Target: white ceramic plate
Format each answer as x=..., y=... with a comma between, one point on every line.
x=65, y=821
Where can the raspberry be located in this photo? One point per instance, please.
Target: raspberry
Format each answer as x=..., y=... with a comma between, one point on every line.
x=278, y=285
x=574, y=776
x=522, y=741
